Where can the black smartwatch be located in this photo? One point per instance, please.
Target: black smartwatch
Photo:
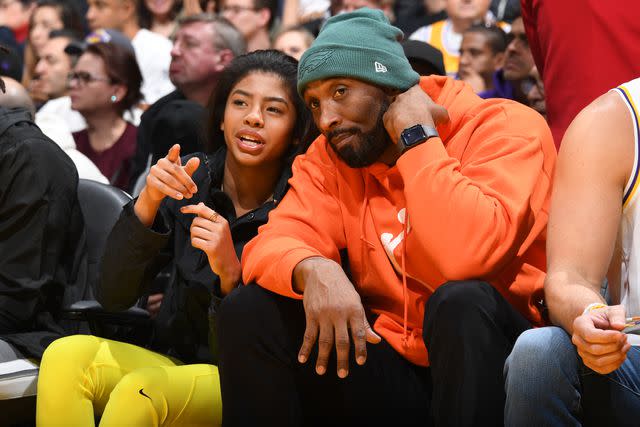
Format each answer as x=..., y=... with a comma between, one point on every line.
x=416, y=135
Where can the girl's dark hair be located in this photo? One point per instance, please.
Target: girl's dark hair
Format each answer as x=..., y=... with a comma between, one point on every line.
x=122, y=67
x=71, y=19
x=262, y=61
x=145, y=18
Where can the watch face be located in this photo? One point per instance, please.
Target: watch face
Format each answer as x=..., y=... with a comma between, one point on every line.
x=413, y=135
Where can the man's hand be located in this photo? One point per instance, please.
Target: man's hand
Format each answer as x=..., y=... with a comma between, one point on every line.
x=210, y=233
x=332, y=307
x=597, y=336
x=410, y=108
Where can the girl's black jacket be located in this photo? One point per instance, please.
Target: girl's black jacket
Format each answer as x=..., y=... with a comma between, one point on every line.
x=135, y=254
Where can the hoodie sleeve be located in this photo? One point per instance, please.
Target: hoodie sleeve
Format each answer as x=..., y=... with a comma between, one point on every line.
x=307, y=223
x=472, y=216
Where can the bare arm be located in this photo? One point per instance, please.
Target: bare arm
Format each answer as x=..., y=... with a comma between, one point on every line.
x=593, y=166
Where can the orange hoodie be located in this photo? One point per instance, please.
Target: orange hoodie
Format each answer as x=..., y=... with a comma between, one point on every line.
x=471, y=205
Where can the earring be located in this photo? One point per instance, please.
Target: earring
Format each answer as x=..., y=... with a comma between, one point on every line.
x=114, y=98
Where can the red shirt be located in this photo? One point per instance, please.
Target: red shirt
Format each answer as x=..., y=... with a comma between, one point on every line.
x=115, y=162
x=582, y=48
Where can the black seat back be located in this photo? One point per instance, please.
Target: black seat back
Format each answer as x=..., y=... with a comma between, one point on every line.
x=101, y=205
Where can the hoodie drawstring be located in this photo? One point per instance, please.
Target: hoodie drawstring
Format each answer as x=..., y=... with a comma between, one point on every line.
x=405, y=334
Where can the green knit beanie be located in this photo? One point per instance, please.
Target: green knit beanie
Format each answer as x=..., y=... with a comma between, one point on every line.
x=362, y=45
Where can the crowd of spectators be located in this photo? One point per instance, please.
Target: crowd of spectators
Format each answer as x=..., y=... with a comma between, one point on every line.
x=154, y=97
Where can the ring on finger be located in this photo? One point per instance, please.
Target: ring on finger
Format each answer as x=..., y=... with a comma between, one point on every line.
x=213, y=217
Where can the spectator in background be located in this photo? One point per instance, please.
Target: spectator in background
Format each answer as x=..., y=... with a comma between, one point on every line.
x=518, y=62
x=159, y=16
x=424, y=58
x=55, y=118
x=293, y=41
x=15, y=15
x=578, y=62
x=534, y=88
x=253, y=18
x=481, y=56
x=153, y=51
x=413, y=14
x=203, y=46
x=103, y=85
x=47, y=16
x=446, y=35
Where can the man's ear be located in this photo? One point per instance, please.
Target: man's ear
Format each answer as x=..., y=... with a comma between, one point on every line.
x=226, y=56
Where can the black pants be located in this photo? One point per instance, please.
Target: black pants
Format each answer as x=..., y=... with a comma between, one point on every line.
x=469, y=330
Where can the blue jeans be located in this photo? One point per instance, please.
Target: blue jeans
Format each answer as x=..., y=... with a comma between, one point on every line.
x=548, y=385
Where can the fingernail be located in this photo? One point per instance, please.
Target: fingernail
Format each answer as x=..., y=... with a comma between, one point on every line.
x=302, y=359
x=320, y=370
x=179, y=196
x=342, y=373
x=360, y=360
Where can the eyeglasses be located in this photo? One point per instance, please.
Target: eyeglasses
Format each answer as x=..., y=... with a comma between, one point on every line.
x=83, y=78
x=235, y=9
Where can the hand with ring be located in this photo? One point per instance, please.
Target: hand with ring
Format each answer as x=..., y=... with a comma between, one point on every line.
x=210, y=233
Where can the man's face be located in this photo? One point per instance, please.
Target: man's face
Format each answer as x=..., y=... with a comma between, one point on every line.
x=474, y=10
x=534, y=88
x=477, y=56
x=518, y=59
x=243, y=15
x=53, y=66
x=107, y=13
x=349, y=114
x=194, y=59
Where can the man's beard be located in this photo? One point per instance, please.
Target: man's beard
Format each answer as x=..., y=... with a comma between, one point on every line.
x=367, y=147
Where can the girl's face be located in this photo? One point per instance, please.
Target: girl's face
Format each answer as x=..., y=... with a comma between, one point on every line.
x=159, y=7
x=45, y=19
x=259, y=118
x=90, y=87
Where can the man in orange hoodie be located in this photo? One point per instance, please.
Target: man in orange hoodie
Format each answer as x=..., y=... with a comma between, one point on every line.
x=420, y=210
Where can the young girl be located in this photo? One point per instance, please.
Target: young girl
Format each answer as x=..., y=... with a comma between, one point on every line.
x=197, y=213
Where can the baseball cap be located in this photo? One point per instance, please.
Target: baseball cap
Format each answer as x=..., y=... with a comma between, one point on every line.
x=99, y=36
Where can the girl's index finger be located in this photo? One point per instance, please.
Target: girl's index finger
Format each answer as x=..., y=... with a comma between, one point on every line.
x=200, y=210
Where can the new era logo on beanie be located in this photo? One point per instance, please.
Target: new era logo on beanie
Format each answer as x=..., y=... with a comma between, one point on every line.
x=380, y=68
x=356, y=40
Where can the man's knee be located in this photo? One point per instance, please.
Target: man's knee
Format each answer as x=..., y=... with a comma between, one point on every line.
x=244, y=310
x=453, y=299
x=538, y=349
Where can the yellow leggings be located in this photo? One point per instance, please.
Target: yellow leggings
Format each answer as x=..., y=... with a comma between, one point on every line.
x=83, y=376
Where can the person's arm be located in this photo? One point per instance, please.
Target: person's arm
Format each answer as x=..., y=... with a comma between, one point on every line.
x=133, y=252
x=296, y=254
x=40, y=227
x=306, y=223
x=595, y=161
x=471, y=213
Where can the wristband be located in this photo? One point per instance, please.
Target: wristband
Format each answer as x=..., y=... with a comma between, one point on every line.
x=594, y=306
